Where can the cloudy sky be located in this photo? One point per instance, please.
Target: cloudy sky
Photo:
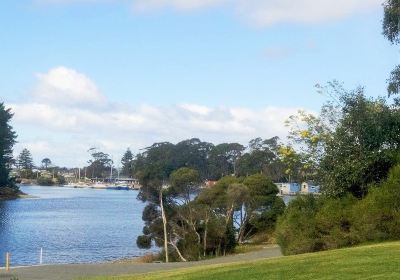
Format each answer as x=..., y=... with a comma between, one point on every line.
x=114, y=74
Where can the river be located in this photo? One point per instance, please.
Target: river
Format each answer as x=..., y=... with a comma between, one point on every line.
x=71, y=225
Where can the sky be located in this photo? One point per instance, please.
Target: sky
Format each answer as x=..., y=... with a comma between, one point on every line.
x=114, y=74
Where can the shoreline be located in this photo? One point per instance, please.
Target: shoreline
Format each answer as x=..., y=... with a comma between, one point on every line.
x=80, y=271
x=137, y=259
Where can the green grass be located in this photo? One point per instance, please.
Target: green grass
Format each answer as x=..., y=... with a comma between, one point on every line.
x=378, y=261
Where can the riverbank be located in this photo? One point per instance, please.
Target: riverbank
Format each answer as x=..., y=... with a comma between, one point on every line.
x=10, y=193
x=83, y=271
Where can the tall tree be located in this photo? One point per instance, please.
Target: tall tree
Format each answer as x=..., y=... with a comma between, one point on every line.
x=223, y=159
x=262, y=157
x=25, y=160
x=363, y=147
x=46, y=162
x=127, y=161
x=7, y=141
x=100, y=164
x=391, y=30
x=153, y=168
x=25, y=164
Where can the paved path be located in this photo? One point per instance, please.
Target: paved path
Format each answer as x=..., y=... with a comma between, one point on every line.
x=71, y=271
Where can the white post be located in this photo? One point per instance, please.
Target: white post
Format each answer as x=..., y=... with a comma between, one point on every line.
x=41, y=256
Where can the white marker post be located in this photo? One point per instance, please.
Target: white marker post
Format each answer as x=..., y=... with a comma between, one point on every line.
x=7, y=262
x=41, y=256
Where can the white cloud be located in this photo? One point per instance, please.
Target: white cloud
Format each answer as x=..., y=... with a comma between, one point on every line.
x=267, y=12
x=259, y=12
x=64, y=131
x=196, y=109
x=62, y=85
x=144, y=5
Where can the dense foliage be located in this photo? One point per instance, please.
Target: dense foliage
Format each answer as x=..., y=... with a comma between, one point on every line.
x=99, y=165
x=313, y=224
x=350, y=149
x=363, y=147
x=192, y=223
x=126, y=162
x=391, y=30
x=7, y=141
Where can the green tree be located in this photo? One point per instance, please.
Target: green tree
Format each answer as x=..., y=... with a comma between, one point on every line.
x=192, y=153
x=127, y=161
x=262, y=157
x=222, y=160
x=100, y=164
x=259, y=207
x=184, y=221
x=25, y=164
x=391, y=29
x=363, y=147
x=153, y=168
x=46, y=162
x=7, y=141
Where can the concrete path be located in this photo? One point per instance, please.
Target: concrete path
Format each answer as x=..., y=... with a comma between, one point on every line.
x=71, y=271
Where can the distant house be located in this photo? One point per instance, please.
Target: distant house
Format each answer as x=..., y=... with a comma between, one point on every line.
x=209, y=183
x=309, y=187
x=288, y=188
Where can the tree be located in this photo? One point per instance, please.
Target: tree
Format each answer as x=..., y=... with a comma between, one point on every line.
x=185, y=185
x=25, y=160
x=222, y=160
x=7, y=141
x=363, y=146
x=127, y=160
x=192, y=153
x=258, y=208
x=153, y=168
x=391, y=30
x=46, y=162
x=100, y=164
x=262, y=157
x=25, y=164
x=391, y=20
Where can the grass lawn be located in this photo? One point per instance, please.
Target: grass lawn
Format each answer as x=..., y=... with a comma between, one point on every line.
x=378, y=261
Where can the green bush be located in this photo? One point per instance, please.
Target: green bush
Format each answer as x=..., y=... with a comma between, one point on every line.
x=45, y=181
x=377, y=217
x=319, y=223
x=296, y=230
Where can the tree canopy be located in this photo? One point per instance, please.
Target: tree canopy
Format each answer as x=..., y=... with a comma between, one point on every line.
x=391, y=30
x=7, y=141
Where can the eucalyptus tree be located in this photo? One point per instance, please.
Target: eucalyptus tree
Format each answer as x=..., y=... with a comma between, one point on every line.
x=99, y=164
x=222, y=160
x=46, y=162
x=152, y=168
x=262, y=156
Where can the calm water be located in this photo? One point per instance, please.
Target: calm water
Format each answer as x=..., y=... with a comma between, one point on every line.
x=71, y=225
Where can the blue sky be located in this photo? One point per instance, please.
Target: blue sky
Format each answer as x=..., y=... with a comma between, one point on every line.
x=221, y=70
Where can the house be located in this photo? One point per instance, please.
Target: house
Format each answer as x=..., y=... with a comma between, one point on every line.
x=288, y=188
x=309, y=187
x=209, y=183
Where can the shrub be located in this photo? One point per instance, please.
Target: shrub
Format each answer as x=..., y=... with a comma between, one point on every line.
x=312, y=224
x=377, y=217
x=296, y=229
x=45, y=181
